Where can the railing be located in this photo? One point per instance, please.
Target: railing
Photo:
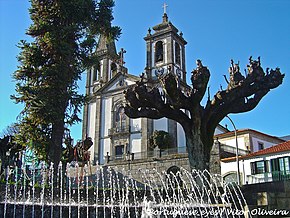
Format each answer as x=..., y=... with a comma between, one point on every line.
x=157, y=153
x=231, y=149
x=269, y=177
x=281, y=175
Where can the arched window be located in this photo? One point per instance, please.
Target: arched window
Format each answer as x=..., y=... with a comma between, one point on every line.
x=113, y=69
x=177, y=53
x=96, y=72
x=230, y=177
x=120, y=119
x=159, y=51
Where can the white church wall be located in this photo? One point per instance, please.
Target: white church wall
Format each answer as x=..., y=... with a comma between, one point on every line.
x=104, y=149
x=106, y=116
x=152, y=55
x=91, y=125
x=160, y=124
x=165, y=51
x=91, y=120
x=101, y=150
x=135, y=143
x=135, y=124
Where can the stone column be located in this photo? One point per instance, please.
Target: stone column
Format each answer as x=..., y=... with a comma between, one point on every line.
x=146, y=131
x=183, y=64
x=97, y=129
x=214, y=163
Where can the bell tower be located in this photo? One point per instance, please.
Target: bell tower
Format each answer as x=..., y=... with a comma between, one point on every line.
x=165, y=50
x=109, y=64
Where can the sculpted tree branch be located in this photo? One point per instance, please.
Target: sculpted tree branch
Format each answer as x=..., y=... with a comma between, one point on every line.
x=144, y=101
x=182, y=104
x=243, y=93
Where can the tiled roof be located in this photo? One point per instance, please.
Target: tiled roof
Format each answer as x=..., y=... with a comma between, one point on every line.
x=282, y=147
x=243, y=131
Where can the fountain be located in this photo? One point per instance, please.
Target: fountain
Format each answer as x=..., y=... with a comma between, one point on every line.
x=100, y=191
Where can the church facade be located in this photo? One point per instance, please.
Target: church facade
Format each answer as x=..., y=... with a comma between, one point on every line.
x=114, y=134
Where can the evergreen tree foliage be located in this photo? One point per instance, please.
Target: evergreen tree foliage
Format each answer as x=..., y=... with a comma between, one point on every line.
x=64, y=36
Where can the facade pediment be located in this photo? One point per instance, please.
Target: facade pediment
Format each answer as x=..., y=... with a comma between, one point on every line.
x=119, y=82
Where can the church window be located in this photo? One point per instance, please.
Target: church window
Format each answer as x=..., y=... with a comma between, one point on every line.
x=96, y=72
x=113, y=69
x=177, y=53
x=119, y=151
x=120, y=119
x=159, y=51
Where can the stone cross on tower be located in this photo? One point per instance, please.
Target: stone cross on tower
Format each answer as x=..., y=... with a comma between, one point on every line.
x=121, y=55
x=164, y=7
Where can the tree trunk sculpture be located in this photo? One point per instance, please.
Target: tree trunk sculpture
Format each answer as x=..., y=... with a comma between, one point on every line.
x=184, y=106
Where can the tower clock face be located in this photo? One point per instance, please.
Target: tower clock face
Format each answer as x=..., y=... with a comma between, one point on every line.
x=159, y=71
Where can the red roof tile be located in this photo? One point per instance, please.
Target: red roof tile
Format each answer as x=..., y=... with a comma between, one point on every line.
x=282, y=147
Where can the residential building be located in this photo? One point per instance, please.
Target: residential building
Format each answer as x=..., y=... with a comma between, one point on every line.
x=248, y=140
x=267, y=165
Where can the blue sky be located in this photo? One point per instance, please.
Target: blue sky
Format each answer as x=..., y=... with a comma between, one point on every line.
x=216, y=31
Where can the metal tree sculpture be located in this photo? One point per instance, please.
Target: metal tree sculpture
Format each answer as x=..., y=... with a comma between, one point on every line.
x=199, y=122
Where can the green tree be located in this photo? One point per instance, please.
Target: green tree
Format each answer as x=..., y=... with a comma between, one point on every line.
x=160, y=139
x=64, y=36
x=10, y=130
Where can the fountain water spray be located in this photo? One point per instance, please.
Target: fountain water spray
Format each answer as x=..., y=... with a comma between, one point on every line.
x=113, y=192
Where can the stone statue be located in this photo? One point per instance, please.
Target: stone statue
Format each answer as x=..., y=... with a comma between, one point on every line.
x=236, y=78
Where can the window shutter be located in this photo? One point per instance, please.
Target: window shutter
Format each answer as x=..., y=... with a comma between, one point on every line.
x=266, y=165
x=274, y=165
x=253, y=168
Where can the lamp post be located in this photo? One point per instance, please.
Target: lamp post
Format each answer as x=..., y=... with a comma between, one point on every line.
x=237, y=150
x=129, y=158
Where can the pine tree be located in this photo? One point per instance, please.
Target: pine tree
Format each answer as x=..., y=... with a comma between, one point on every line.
x=64, y=36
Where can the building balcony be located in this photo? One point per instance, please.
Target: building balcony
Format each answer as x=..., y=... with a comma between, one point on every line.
x=147, y=155
x=268, y=177
x=119, y=130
